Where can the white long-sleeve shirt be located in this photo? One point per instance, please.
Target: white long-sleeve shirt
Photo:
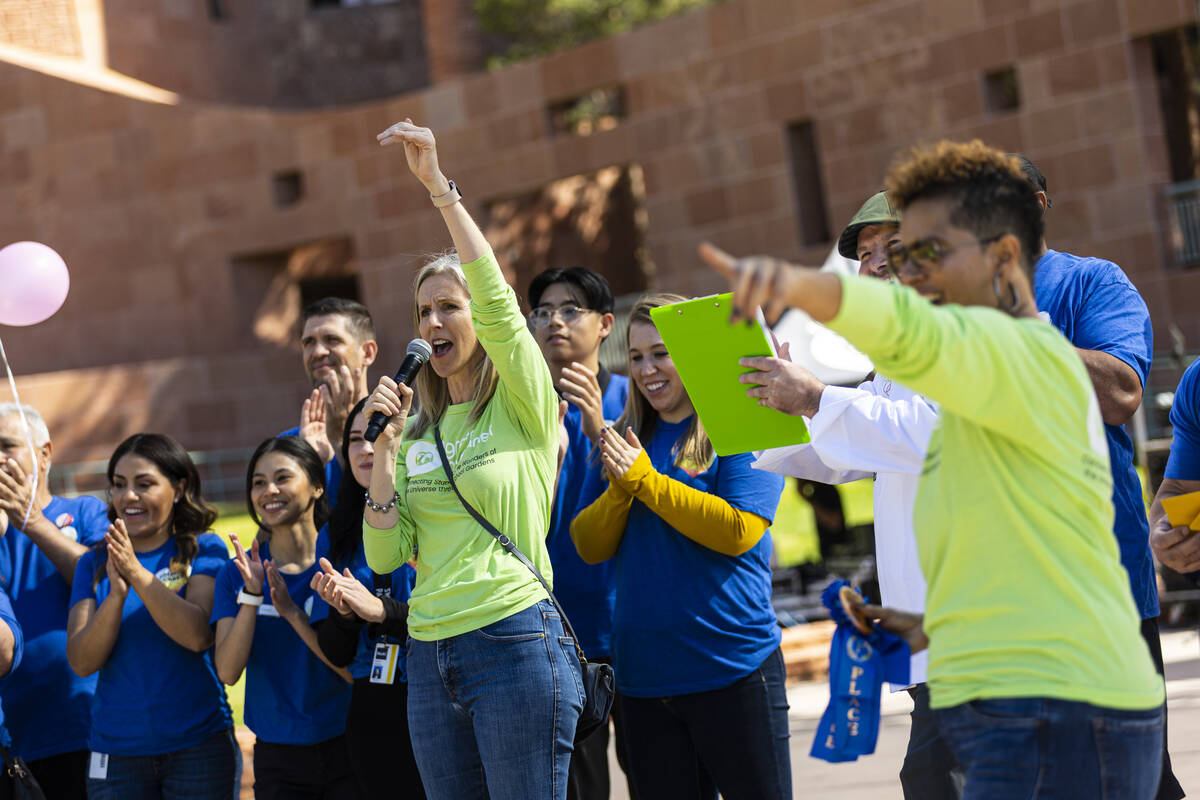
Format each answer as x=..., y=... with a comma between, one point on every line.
x=880, y=429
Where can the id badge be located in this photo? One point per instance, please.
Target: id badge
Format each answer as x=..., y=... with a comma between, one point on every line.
x=383, y=665
x=98, y=766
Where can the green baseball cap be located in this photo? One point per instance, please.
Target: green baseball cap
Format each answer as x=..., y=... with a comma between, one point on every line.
x=878, y=210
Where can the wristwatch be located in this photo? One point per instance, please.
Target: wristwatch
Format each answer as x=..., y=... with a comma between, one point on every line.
x=245, y=598
x=449, y=198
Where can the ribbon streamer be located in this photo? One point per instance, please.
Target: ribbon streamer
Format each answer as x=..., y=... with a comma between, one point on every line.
x=858, y=666
x=12, y=383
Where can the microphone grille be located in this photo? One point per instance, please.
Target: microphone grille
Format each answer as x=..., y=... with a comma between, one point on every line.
x=420, y=347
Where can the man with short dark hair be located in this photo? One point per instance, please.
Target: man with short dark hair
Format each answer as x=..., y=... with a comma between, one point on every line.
x=572, y=314
x=1098, y=309
x=48, y=706
x=337, y=344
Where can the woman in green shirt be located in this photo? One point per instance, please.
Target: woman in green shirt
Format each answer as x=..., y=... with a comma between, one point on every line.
x=1039, y=678
x=494, y=683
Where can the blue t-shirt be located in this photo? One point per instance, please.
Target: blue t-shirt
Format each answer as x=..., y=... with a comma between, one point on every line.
x=154, y=695
x=401, y=583
x=291, y=696
x=1184, y=462
x=587, y=591
x=689, y=619
x=333, y=469
x=1095, y=306
x=9, y=619
x=48, y=707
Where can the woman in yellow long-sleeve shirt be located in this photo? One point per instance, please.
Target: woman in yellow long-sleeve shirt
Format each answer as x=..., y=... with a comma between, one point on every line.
x=695, y=640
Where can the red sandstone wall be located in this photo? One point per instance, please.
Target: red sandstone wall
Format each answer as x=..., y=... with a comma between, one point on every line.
x=148, y=203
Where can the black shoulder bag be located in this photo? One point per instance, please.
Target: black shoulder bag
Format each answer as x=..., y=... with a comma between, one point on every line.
x=599, y=683
x=25, y=786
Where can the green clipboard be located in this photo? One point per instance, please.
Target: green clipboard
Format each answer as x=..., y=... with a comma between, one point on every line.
x=705, y=348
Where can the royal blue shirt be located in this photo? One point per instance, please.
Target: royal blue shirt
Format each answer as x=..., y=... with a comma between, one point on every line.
x=333, y=470
x=48, y=707
x=1097, y=308
x=587, y=592
x=400, y=582
x=687, y=618
x=1184, y=462
x=153, y=695
x=9, y=619
x=292, y=697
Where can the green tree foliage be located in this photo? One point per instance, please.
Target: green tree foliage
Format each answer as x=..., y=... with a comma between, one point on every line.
x=526, y=28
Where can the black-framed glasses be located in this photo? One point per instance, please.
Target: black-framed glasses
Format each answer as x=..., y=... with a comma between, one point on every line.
x=925, y=255
x=541, y=316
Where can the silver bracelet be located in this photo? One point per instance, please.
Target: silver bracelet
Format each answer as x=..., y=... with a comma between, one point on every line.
x=371, y=504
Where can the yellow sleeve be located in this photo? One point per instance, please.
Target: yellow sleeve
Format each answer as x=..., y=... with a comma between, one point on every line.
x=597, y=529
x=704, y=518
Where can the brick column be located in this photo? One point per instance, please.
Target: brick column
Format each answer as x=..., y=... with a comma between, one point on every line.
x=452, y=38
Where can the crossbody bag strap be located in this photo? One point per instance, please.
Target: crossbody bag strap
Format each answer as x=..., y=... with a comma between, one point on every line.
x=505, y=542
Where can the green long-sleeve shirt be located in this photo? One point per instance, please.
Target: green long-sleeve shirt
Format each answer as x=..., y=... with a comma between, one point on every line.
x=504, y=464
x=1026, y=594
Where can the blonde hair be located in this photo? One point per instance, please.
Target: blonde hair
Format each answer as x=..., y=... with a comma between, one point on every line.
x=432, y=390
x=693, y=448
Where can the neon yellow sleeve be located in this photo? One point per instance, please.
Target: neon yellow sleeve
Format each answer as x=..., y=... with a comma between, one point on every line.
x=597, y=530
x=704, y=518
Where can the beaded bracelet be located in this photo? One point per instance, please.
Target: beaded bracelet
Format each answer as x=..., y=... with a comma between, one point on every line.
x=371, y=504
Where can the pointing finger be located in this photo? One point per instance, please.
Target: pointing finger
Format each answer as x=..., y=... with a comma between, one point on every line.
x=719, y=260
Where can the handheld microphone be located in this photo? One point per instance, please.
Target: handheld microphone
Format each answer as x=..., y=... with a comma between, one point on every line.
x=418, y=353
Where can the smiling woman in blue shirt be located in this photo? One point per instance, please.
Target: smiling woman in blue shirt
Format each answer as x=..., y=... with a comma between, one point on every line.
x=143, y=597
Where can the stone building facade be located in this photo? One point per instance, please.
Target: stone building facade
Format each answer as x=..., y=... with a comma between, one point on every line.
x=197, y=178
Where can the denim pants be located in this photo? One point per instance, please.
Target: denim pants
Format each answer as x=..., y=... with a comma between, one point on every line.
x=205, y=771
x=929, y=771
x=1035, y=748
x=492, y=712
x=733, y=740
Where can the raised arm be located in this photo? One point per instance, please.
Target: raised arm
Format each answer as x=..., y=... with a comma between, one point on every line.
x=502, y=330
x=972, y=361
x=235, y=622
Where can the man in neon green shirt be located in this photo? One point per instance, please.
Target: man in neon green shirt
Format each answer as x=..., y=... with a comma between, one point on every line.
x=1039, y=677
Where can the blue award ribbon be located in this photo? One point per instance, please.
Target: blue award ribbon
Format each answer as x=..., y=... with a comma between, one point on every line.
x=858, y=666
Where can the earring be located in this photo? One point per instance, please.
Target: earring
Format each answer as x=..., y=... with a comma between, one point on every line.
x=176, y=499
x=1014, y=301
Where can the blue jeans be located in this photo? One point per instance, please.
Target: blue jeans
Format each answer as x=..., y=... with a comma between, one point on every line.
x=1039, y=748
x=205, y=771
x=733, y=740
x=492, y=712
x=929, y=771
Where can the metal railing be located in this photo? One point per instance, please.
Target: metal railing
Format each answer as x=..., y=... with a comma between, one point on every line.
x=1183, y=212
x=222, y=475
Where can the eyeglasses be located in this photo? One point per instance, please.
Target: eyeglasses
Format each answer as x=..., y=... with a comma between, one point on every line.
x=540, y=317
x=925, y=255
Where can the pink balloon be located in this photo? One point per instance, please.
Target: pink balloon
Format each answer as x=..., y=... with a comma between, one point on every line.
x=33, y=283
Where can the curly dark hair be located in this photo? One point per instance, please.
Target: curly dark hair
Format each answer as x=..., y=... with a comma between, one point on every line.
x=987, y=192
x=191, y=515
x=302, y=453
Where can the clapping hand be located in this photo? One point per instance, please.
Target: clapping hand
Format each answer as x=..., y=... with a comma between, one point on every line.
x=346, y=594
x=280, y=598
x=16, y=492
x=312, y=424
x=121, y=556
x=617, y=453
x=338, y=396
x=249, y=564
